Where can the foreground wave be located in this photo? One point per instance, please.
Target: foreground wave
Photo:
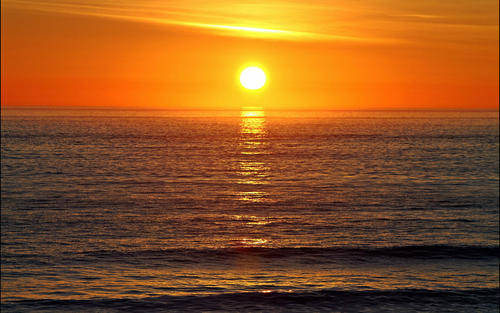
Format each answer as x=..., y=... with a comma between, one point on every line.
x=407, y=300
x=424, y=251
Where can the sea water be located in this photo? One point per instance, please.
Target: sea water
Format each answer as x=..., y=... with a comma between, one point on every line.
x=150, y=211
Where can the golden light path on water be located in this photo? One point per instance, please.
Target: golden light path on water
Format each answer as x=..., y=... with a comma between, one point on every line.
x=252, y=170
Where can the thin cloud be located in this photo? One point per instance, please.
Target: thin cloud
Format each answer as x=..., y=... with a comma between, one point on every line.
x=367, y=22
x=205, y=18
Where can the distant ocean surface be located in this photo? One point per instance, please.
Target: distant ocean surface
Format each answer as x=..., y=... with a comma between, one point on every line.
x=152, y=211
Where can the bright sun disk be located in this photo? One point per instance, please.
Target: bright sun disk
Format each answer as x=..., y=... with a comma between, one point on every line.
x=253, y=78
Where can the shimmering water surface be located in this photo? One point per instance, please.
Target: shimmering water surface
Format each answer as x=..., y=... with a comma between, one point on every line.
x=106, y=210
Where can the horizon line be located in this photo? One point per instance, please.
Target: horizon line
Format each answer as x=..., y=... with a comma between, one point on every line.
x=130, y=108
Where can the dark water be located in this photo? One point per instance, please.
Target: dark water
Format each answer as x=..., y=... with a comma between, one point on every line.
x=148, y=211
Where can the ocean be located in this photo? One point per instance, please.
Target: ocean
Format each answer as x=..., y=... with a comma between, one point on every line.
x=107, y=210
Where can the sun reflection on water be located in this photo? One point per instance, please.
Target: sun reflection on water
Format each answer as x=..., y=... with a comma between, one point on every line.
x=253, y=172
x=252, y=112
x=253, y=241
x=253, y=124
x=252, y=169
x=252, y=220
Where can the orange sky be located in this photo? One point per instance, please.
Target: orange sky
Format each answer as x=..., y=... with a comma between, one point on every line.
x=372, y=54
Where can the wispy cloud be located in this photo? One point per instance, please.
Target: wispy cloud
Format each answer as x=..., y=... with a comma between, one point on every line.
x=371, y=21
x=278, y=20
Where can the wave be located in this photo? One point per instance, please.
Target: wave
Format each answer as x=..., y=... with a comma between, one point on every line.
x=407, y=300
x=299, y=255
x=359, y=253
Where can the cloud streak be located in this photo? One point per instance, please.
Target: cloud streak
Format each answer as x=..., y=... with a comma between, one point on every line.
x=262, y=21
x=372, y=21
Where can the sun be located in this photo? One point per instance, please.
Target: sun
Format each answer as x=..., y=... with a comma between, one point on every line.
x=253, y=78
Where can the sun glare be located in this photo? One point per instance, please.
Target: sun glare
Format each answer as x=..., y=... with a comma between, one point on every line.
x=253, y=78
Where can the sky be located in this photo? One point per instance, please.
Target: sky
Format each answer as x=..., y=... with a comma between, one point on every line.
x=318, y=55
